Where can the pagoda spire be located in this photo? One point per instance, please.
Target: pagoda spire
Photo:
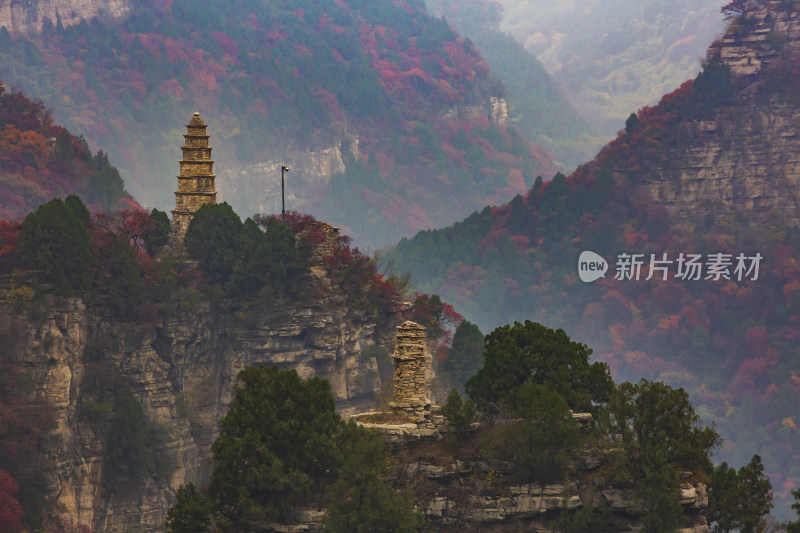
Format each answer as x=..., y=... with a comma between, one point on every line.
x=196, y=179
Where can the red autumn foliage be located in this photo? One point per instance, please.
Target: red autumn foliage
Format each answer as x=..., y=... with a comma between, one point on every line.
x=10, y=509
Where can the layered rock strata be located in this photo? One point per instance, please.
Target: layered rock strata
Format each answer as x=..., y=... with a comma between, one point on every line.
x=182, y=366
x=745, y=155
x=30, y=16
x=459, y=491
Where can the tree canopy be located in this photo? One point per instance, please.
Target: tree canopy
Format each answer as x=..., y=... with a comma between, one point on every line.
x=517, y=354
x=739, y=501
x=280, y=446
x=54, y=240
x=240, y=256
x=657, y=435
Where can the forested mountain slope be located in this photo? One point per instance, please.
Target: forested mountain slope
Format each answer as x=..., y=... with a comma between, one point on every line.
x=40, y=160
x=710, y=175
x=390, y=121
x=616, y=55
x=537, y=105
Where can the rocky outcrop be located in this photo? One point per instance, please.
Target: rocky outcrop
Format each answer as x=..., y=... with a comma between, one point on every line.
x=182, y=367
x=745, y=156
x=768, y=31
x=459, y=491
x=494, y=108
x=30, y=15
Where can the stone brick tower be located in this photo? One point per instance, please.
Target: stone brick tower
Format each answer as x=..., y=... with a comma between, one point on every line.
x=196, y=180
x=412, y=371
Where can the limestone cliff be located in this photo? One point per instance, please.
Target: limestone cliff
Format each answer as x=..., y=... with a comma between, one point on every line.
x=459, y=491
x=30, y=15
x=745, y=155
x=182, y=367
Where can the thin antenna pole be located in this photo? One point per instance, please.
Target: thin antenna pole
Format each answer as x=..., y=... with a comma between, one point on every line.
x=284, y=169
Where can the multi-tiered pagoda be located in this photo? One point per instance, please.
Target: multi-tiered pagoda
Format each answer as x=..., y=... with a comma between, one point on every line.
x=196, y=180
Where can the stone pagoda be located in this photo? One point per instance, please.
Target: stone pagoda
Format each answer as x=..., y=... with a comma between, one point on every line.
x=412, y=371
x=196, y=180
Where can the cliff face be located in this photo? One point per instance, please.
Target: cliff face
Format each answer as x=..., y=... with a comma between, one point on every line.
x=459, y=491
x=30, y=15
x=182, y=368
x=746, y=155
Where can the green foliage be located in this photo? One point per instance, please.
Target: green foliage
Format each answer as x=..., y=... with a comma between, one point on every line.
x=465, y=356
x=105, y=185
x=794, y=526
x=242, y=258
x=96, y=412
x=19, y=296
x=657, y=435
x=459, y=415
x=713, y=86
x=156, y=233
x=594, y=516
x=283, y=445
x=360, y=501
x=278, y=442
x=54, y=241
x=211, y=237
x=739, y=501
x=78, y=208
x=544, y=441
x=191, y=512
x=135, y=445
x=126, y=289
x=532, y=353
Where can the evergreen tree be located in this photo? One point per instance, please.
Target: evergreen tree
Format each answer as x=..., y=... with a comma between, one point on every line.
x=281, y=445
x=545, y=439
x=211, y=237
x=105, y=185
x=277, y=445
x=657, y=435
x=130, y=455
x=156, y=233
x=465, y=357
x=54, y=241
x=78, y=209
x=794, y=526
x=529, y=352
x=361, y=501
x=127, y=287
x=739, y=501
x=459, y=414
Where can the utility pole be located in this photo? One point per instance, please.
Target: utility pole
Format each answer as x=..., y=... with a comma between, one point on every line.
x=284, y=169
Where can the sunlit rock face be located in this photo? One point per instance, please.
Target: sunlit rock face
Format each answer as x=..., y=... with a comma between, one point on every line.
x=31, y=16
x=745, y=155
x=182, y=367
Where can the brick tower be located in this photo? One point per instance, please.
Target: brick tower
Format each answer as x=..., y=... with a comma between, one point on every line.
x=196, y=180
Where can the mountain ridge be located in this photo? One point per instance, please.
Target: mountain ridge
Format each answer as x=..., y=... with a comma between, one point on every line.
x=384, y=113
x=652, y=191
